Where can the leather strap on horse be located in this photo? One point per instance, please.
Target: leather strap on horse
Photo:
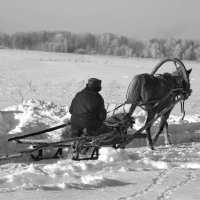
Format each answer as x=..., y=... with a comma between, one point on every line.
x=186, y=94
x=183, y=108
x=172, y=92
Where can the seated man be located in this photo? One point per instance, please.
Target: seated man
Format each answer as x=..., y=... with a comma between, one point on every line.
x=87, y=110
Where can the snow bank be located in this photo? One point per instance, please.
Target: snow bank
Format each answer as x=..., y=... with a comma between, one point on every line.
x=35, y=115
x=31, y=116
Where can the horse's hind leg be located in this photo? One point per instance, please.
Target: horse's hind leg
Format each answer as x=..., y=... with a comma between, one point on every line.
x=166, y=134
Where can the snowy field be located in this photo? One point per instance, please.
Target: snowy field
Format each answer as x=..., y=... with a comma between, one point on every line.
x=51, y=80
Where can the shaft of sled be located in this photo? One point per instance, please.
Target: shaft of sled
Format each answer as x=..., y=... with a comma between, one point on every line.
x=37, y=133
x=10, y=156
x=154, y=119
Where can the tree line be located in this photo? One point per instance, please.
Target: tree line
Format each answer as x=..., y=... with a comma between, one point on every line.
x=106, y=44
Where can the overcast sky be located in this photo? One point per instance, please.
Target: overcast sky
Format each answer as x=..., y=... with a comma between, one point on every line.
x=141, y=19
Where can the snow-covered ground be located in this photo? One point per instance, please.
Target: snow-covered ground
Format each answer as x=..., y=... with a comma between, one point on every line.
x=171, y=172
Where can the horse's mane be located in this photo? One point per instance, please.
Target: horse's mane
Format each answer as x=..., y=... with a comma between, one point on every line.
x=169, y=78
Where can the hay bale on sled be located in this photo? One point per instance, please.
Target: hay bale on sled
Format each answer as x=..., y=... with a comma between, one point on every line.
x=105, y=128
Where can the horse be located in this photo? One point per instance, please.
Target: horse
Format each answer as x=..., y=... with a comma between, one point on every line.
x=149, y=91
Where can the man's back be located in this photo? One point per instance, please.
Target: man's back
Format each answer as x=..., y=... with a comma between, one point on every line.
x=87, y=109
x=87, y=104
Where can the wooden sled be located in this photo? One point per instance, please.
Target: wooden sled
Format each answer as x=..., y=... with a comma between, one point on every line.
x=87, y=147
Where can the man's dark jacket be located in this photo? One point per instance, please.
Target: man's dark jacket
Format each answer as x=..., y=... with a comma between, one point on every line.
x=87, y=109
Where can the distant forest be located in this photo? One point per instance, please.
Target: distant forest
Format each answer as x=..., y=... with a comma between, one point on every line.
x=106, y=44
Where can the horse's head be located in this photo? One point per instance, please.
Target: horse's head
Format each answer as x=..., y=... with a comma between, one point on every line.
x=185, y=75
x=183, y=79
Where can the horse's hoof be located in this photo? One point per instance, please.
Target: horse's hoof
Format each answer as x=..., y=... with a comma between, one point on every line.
x=154, y=141
x=151, y=148
x=168, y=145
x=152, y=145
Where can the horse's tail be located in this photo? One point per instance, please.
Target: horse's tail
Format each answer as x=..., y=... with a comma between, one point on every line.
x=133, y=95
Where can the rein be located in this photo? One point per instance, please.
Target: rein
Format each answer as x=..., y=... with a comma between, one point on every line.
x=117, y=107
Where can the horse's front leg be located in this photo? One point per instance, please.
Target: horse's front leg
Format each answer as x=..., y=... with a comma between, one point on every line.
x=149, y=142
x=163, y=123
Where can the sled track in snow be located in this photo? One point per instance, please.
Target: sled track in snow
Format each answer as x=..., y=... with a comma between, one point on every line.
x=155, y=181
x=169, y=191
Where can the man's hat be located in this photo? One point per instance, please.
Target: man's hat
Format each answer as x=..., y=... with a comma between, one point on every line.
x=93, y=82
